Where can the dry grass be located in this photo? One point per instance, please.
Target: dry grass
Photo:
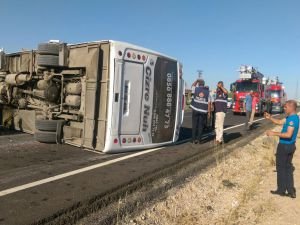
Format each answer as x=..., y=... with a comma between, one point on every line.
x=221, y=195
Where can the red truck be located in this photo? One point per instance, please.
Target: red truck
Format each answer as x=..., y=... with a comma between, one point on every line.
x=276, y=96
x=249, y=80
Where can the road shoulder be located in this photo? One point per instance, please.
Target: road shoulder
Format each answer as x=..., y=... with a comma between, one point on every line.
x=235, y=191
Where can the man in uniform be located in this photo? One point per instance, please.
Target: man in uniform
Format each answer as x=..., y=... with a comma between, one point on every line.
x=200, y=109
x=285, y=149
x=212, y=106
x=208, y=115
x=220, y=109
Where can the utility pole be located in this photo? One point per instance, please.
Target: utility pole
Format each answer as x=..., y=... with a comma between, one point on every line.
x=200, y=72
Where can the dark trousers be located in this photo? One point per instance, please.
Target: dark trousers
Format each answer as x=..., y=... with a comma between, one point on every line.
x=248, y=116
x=198, y=120
x=284, y=167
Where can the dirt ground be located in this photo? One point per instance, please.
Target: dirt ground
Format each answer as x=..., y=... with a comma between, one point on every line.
x=235, y=191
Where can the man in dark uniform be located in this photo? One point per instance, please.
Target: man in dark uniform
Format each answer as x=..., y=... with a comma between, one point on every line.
x=285, y=149
x=208, y=115
x=200, y=109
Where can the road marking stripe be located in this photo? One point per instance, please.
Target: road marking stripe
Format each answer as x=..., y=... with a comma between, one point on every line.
x=74, y=172
x=243, y=124
x=99, y=165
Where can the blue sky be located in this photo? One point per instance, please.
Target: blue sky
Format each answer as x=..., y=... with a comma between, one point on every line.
x=216, y=36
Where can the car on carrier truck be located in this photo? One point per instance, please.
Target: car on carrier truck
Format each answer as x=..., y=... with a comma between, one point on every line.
x=106, y=96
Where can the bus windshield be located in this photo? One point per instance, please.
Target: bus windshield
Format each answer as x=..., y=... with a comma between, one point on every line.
x=246, y=86
x=164, y=100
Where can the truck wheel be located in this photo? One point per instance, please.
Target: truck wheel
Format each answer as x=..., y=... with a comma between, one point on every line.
x=45, y=136
x=48, y=48
x=47, y=125
x=47, y=60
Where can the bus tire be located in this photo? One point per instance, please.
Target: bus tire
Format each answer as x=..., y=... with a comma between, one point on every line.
x=47, y=60
x=45, y=136
x=48, y=48
x=47, y=125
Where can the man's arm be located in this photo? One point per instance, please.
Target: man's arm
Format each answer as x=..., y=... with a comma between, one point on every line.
x=195, y=83
x=287, y=134
x=224, y=90
x=209, y=109
x=273, y=120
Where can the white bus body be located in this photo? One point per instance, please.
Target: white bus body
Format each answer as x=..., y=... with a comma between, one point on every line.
x=106, y=95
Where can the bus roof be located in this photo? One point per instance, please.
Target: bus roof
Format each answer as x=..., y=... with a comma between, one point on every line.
x=107, y=41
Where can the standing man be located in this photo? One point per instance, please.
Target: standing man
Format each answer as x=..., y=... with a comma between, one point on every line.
x=220, y=109
x=208, y=115
x=212, y=106
x=285, y=149
x=200, y=109
x=248, y=109
x=255, y=101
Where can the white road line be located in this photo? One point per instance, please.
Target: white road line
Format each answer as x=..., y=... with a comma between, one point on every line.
x=85, y=169
x=74, y=172
x=243, y=124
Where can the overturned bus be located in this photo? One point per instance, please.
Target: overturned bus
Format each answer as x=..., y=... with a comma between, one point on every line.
x=105, y=95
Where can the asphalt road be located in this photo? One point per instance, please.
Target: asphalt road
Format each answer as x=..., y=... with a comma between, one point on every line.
x=23, y=161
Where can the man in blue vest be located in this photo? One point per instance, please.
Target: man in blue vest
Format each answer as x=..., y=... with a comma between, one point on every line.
x=285, y=149
x=220, y=109
x=200, y=109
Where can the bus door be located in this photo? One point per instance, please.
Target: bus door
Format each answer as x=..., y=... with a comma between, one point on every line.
x=132, y=92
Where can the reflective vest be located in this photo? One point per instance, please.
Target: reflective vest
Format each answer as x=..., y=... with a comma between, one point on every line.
x=221, y=102
x=200, y=101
